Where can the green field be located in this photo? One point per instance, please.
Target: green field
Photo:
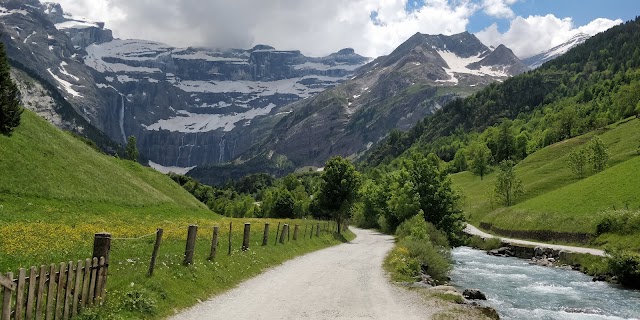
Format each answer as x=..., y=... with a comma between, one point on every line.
x=56, y=192
x=555, y=198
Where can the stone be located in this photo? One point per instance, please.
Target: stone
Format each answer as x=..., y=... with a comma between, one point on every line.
x=474, y=294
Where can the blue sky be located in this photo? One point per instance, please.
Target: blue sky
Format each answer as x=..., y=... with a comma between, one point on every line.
x=581, y=11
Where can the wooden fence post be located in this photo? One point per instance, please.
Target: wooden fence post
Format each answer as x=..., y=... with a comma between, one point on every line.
x=305, y=231
x=40, y=296
x=154, y=254
x=77, y=290
x=6, y=299
x=191, y=244
x=295, y=232
x=60, y=291
x=265, y=236
x=85, y=284
x=102, y=280
x=31, y=293
x=318, y=229
x=102, y=246
x=285, y=228
x=214, y=243
x=22, y=275
x=51, y=292
x=277, y=231
x=67, y=299
x=230, y=229
x=245, y=236
x=288, y=235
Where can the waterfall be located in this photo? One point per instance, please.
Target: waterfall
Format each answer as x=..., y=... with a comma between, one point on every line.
x=221, y=145
x=124, y=136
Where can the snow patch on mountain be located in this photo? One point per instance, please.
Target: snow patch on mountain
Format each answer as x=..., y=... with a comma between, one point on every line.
x=257, y=88
x=5, y=12
x=195, y=122
x=167, y=169
x=539, y=59
x=459, y=65
x=65, y=84
x=76, y=25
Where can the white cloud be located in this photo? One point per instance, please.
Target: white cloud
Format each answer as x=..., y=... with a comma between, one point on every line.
x=315, y=27
x=499, y=8
x=321, y=27
x=534, y=34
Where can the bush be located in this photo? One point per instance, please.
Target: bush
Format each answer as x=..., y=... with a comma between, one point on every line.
x=625, y=266
x=435, y=262
x=422, y=248
x=621, y=222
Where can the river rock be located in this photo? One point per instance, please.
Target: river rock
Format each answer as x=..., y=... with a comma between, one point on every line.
x=599, y=278
x=474, y=294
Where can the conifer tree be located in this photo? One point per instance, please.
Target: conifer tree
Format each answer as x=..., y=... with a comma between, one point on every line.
x=10, y=109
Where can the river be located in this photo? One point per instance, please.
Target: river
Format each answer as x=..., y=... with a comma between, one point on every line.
x=518, y=290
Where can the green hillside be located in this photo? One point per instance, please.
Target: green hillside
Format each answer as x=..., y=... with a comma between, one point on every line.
x=555, y=198
x=44, y=168
x=56, y=191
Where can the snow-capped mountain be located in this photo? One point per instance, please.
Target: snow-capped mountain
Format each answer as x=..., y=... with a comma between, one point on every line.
x=186, y=106
x=391, y=92
x=540, y=58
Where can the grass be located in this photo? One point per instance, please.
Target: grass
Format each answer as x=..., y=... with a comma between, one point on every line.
x=56, y=192
x=555, y=199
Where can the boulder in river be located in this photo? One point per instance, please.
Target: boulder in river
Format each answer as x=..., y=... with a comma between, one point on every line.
x=474, y=294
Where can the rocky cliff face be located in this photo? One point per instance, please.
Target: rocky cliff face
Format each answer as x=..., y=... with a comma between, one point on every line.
x=187, y=106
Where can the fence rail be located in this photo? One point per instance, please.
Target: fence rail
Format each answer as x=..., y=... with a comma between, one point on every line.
x=54, y=292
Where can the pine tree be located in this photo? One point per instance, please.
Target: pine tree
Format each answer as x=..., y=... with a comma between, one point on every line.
x=132, y=149
x=10, y=109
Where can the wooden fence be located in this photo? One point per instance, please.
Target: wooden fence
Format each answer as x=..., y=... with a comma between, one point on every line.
x=54, y=292
x=63, y=291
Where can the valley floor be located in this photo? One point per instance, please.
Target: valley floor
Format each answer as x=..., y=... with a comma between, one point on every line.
x=341, y=282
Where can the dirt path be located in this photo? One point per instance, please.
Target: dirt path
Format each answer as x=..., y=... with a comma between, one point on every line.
x=341, y=282
x=475, y=231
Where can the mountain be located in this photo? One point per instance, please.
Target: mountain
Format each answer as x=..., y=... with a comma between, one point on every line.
x=588, y=87
x=391, y=92
x=186, y=106
x=540, y=58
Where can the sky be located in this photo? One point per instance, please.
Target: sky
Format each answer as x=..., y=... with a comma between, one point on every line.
x=371, y=27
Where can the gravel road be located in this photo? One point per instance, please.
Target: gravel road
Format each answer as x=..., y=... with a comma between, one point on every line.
x=475, y=231
x=342, y=282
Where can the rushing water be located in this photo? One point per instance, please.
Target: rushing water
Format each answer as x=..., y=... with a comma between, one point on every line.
x=519, y=290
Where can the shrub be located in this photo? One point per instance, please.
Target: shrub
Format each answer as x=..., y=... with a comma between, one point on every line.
x=626, y=266
x=623, y=222
x=435, y=262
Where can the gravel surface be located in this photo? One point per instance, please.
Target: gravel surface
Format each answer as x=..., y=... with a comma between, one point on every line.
x=342, y=282
x=475, y=231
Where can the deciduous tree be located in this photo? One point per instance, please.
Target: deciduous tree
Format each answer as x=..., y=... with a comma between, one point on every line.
x=480, y=156
x=339, y=189
x=507, y=186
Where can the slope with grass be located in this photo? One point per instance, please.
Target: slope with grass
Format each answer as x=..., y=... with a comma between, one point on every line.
x=555, y=198
x=56, y=192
